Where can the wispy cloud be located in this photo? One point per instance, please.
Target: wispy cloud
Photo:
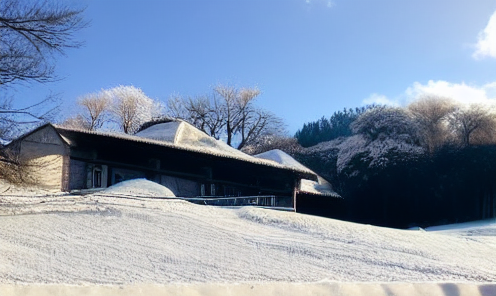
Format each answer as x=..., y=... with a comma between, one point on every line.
x=328, y=3
x=460, y=92
x=486, y=45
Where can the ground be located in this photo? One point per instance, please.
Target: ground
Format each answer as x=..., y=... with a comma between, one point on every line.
x=118, y=238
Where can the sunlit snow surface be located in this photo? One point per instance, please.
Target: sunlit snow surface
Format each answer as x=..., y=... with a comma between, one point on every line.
x=138, y=188
x=108, y=240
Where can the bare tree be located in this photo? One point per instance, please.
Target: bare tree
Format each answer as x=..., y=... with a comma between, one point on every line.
x=232, y=109
x=243, y=119
x=130, y=107
x=14, y=121
x=473, y=125
x=205, y=112
x=10, y=168
x=431, y=113
x=228, y=112
x=95, y=107
x=257, y=122
x=32, y=32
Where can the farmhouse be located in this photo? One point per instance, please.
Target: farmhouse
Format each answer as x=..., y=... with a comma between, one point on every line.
x=174, y=153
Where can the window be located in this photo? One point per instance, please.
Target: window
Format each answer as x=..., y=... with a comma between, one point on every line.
x=97, y=177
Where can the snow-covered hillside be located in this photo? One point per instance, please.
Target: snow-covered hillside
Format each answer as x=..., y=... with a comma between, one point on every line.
x=133, y=240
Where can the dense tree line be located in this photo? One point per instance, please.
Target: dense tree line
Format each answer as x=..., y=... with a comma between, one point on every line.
x=326, y=129
x=429, y=163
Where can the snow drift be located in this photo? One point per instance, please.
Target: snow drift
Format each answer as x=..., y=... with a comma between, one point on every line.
x=132, y=241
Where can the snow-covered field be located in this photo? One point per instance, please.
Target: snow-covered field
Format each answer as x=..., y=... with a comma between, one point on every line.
x=135, y=240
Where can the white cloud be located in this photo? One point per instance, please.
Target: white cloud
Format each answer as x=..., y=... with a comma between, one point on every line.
x=486, y=45
x=460, y=92
x=380, y=100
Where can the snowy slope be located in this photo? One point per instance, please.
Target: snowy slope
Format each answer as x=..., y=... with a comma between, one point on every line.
x=104, y=240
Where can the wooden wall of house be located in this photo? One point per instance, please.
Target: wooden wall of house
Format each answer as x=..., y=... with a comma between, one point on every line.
x=45, y=155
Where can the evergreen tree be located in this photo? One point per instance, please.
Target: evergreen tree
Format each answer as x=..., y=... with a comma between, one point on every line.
x=338, y=125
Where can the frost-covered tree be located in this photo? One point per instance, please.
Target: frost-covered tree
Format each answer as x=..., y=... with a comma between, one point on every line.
x=475, y=124
x=358, y=152
x=386, y=122
x=383, y=136
x=431, y=114
x=130, y=107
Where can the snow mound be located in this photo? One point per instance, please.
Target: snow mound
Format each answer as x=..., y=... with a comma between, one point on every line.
x=138, y=188
x=126, y=241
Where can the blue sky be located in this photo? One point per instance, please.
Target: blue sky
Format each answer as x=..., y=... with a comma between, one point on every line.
x=308, y=57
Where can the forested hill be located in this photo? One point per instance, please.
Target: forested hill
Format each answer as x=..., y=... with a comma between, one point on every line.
x=432, y=162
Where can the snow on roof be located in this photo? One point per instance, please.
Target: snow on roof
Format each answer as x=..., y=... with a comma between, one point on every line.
x=319, y=187
x=281, y=157
x=161, y=132
x=186, y=137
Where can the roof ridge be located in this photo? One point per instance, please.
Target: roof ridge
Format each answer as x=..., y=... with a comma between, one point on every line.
x=179, y=131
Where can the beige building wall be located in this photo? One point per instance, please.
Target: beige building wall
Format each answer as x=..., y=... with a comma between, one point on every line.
x=46, y=157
